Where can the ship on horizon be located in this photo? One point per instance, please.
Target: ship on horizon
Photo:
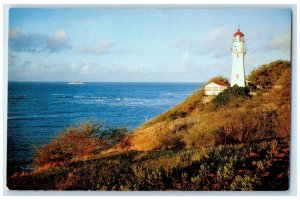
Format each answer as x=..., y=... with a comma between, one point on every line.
x=75, y=83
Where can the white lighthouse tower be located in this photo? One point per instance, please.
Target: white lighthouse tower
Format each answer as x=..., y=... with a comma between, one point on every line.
x=238, y=53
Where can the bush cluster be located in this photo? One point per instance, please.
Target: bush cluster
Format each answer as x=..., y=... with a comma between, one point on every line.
x=251, y=166
x=230, y=95
x=250, y=126
x=77, y=143
x=267, y=75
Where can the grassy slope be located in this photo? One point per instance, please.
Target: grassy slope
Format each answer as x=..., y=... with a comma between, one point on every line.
x=252, y=166
x=192, y=121
x=254, y=161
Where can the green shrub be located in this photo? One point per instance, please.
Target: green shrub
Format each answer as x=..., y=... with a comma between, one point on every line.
x=231, y=94
x=113, y=135
x=243, y=183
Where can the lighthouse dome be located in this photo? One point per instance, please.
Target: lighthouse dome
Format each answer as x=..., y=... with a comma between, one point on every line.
x=239, y=33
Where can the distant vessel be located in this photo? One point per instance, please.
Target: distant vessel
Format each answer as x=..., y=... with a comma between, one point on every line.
x=75, y=83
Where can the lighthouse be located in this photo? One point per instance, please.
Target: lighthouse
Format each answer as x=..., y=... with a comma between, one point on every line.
x=238, y=53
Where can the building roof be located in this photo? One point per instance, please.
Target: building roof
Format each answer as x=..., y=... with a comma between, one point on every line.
x=220, y=83
x=239, y=33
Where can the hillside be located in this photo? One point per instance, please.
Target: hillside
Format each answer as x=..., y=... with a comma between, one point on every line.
x=253, y=166
x=237, y=141
x=193, y=124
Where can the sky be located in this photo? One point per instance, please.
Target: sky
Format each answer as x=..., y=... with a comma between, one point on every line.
x=141, y=44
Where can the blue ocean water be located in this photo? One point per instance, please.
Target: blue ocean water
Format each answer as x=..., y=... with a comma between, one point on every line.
x=37, y=111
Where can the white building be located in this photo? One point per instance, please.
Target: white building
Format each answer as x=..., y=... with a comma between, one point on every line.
x=214, y=88
x=238, y=53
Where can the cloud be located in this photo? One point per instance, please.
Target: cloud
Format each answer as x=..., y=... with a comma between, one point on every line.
x=215, y=36
x=12, y=59
x=218, y=42
x=81, y=67
x=37, y=42
x=282, y=42
x=256, y=34
x=26, y=64
x=58, y=41
x=30, y=42
x=97, y=49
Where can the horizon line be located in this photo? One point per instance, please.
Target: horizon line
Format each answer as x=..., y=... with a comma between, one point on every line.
x=111, y=81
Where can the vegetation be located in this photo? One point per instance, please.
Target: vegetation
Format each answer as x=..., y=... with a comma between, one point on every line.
x=231, y=94
x=237, y=141
x=268, y=75
x=191, y=104
x=245, y=166
x=77, y=143
x=232, y=116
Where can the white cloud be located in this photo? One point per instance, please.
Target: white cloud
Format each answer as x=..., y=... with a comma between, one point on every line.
x=58, y=41
x=259, y=34
x=281, y=42
x=218, y=42
x=97, y=49
x=83, y=67
x=37, y=42
x=216, y=35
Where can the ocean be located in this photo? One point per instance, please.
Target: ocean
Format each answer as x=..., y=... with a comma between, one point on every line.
x=37, y=111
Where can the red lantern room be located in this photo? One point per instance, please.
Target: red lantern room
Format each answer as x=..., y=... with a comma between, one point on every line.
x=238, y=36
x=239, y=33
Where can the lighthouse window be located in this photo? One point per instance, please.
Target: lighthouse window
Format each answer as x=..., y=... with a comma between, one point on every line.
x=215, y=88
x=208, y=88
x=237, y=75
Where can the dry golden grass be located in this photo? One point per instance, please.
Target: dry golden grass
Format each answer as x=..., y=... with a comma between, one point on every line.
x=249, y=119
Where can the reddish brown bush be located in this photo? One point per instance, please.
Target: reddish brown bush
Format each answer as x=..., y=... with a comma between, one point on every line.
x=240, y=126
x=74, y=143
x=283, y=122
